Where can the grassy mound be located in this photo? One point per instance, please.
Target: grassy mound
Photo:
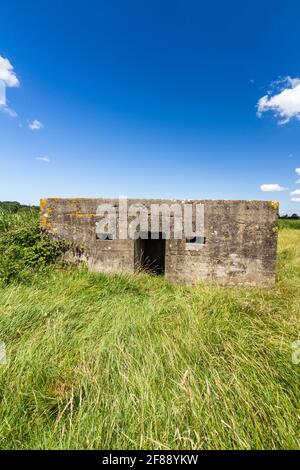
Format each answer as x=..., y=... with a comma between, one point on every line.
x=96, y=361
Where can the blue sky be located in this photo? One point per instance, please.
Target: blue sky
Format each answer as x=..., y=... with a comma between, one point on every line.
x=150, y=99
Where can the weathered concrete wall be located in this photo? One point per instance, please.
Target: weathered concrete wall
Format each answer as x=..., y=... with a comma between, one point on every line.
x=240, y=241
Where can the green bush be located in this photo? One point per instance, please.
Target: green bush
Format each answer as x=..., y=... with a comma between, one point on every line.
x=23, y=248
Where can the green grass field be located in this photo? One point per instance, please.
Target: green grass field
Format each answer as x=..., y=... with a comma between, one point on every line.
x=119, y=362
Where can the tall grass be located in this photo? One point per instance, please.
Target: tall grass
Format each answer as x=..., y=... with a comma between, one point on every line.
x=119, y=362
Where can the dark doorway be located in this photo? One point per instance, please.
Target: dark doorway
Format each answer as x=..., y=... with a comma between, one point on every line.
x=149, y=253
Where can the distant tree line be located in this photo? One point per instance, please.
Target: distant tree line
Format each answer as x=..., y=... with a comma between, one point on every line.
x=14, y=206
x=290, y=217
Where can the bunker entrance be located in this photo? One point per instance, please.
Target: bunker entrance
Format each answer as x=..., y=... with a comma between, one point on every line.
x=149, y=253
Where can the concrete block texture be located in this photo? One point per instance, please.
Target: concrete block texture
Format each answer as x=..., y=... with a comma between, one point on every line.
x=239, y=245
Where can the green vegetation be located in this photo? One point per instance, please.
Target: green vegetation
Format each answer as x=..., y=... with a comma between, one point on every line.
x=14, y=206
x=23, y=248
x=99, y=361
x=290, y=223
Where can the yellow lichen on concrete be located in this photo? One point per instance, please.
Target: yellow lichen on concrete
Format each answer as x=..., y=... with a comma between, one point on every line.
x=45, y=223
x=43, y=203
x=46, y=212
x=80, y=214
x=274, y=204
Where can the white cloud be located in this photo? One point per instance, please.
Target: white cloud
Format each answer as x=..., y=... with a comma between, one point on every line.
x=286, y=103
x=43, y=159
x=296, y=192
x=2, y=94
x=298, y=181
x=297, y=170
x=295, y=199
x=7, y=74
x=8, y=78
x=35, y=125
x=10, y=112
x=272, y=188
